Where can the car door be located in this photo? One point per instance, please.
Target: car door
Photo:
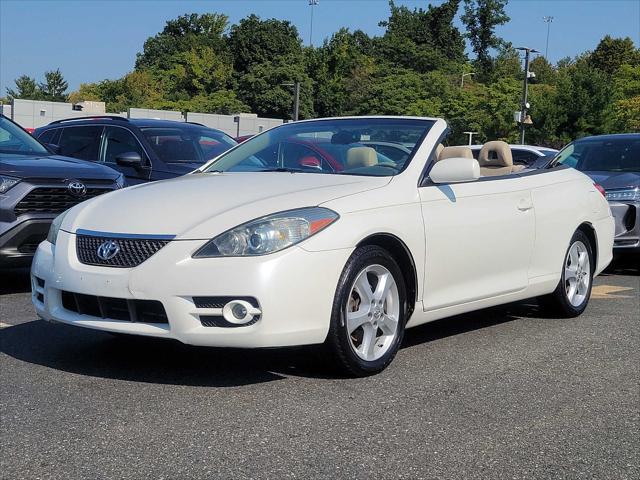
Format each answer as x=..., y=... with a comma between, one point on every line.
x=479, y=239
x=82, y=141
x=119, y=140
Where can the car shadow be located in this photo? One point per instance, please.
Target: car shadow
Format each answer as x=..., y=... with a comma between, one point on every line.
x=14, y=281
x=624, y=264
x=141, y=359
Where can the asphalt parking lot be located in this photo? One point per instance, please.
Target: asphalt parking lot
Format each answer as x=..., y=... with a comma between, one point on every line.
x=501, y=393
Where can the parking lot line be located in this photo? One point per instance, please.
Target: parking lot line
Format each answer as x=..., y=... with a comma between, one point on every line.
x=607, y=291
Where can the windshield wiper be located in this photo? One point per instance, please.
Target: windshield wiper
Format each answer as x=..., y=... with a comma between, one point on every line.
x=283, y=169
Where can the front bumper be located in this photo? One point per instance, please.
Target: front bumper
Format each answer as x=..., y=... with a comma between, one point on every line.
x=295, y=290
x=19, y=242
x=627, y=219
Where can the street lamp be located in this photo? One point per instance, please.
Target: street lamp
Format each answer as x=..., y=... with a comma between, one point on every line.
x=548, y=21
x=524, y=105
x=296, y=100
x=471, y=134
x=462, y=78
x=312, y=3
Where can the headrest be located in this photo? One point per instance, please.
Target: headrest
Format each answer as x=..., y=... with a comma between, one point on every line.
x=358, y=157
x=439, y=149
x=455, y=152
x=344, y=138
x=495, y=154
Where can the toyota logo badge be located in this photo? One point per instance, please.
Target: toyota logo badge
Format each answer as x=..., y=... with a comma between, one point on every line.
x=107, y=250
x=76, y=188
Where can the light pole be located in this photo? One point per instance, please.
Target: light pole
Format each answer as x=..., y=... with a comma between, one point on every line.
x=312, y=3
x=462, y=78
x=548, y=21
x=296, y=98
x=524, y=105
x=471, y=134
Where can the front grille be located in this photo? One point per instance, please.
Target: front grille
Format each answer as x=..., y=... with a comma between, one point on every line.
x=131, y=251
x=142, y=311
x=53, y=200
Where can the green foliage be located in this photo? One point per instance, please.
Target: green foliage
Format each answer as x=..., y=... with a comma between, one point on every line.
x=481, y=17
x=26, y=88
x=197, y=64
x=254, y=41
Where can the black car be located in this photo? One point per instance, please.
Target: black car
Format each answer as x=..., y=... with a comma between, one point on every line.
x=612, y=161
x=142, y=149
x=35, y=186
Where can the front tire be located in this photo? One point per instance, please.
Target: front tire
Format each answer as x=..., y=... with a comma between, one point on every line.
x=572, y=294
x=369, y=313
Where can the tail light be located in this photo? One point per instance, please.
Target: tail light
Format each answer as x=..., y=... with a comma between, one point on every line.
x=601, y=189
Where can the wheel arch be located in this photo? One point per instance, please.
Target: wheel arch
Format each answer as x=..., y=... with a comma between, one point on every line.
x=401, y=254
x=591, y=234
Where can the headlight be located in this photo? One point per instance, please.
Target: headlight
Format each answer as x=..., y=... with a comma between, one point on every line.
x=626, y=194
x=7, y=182
x=269, y=234
x=121, y=182
x=55, y=227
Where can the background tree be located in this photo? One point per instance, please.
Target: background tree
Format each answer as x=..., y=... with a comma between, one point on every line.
x=54, y=86
x=26, y=88
x=481, y=17
x=611, y=53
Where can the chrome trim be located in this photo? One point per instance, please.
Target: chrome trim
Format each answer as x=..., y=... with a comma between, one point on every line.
x=95, y=233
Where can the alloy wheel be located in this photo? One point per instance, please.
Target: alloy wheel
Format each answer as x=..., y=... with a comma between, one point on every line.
x=577, y=274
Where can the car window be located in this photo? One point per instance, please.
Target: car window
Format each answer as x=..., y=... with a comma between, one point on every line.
x=118, y=141
x=15, y=140
x=47, y=137
x=606, y=155
x=523, y=157
x=187, y=144
x=81, y=142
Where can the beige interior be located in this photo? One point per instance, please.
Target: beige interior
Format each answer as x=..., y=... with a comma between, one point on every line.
x=439, y=149
x=455, y=152
x=358, y=157
x=495, y=159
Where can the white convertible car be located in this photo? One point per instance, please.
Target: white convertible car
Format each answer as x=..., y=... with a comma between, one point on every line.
x=308, y=234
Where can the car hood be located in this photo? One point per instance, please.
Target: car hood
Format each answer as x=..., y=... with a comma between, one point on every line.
x=201, y=205
x=613, y=180
x=52, y=166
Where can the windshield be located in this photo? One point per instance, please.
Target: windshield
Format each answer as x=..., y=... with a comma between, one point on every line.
x=363, y=146
x=605, y=155
x=15, y=140
x=187, y=145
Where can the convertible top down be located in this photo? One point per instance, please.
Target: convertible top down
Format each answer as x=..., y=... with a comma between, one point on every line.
x=339, y=231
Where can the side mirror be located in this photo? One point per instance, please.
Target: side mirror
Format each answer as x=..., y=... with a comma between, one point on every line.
x=129, y=159
x=54, y=148
x=455, y=170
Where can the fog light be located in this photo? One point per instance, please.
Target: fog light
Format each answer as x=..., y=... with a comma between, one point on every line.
x=240, y=312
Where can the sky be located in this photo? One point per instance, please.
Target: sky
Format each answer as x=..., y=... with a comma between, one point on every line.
x=90, y=40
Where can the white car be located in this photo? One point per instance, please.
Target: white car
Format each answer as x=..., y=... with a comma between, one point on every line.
x=269, y=246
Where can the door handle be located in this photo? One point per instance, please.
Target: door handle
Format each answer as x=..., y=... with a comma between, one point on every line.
x=525, y=204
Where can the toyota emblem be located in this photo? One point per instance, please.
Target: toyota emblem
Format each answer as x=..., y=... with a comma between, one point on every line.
x=107, y=250
x=76, y=188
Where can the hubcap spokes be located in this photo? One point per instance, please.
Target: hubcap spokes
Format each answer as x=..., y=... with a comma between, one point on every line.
x=372, y=312
x=577, y=274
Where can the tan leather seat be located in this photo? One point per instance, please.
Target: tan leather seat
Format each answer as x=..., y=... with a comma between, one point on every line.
x=359, y=157
x=439, y=149
x=495, y=159
x=455, y=152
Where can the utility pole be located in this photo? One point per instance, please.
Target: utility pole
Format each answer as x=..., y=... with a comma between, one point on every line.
x=548, y=21
x=524, y=105
x=296, y=98
x=312, y=3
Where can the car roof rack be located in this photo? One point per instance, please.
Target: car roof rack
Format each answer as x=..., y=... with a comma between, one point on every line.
x=97, y=117
x=196, y=123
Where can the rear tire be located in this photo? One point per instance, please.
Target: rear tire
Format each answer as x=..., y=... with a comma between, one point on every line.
x=369, y=313
x=571, y=296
